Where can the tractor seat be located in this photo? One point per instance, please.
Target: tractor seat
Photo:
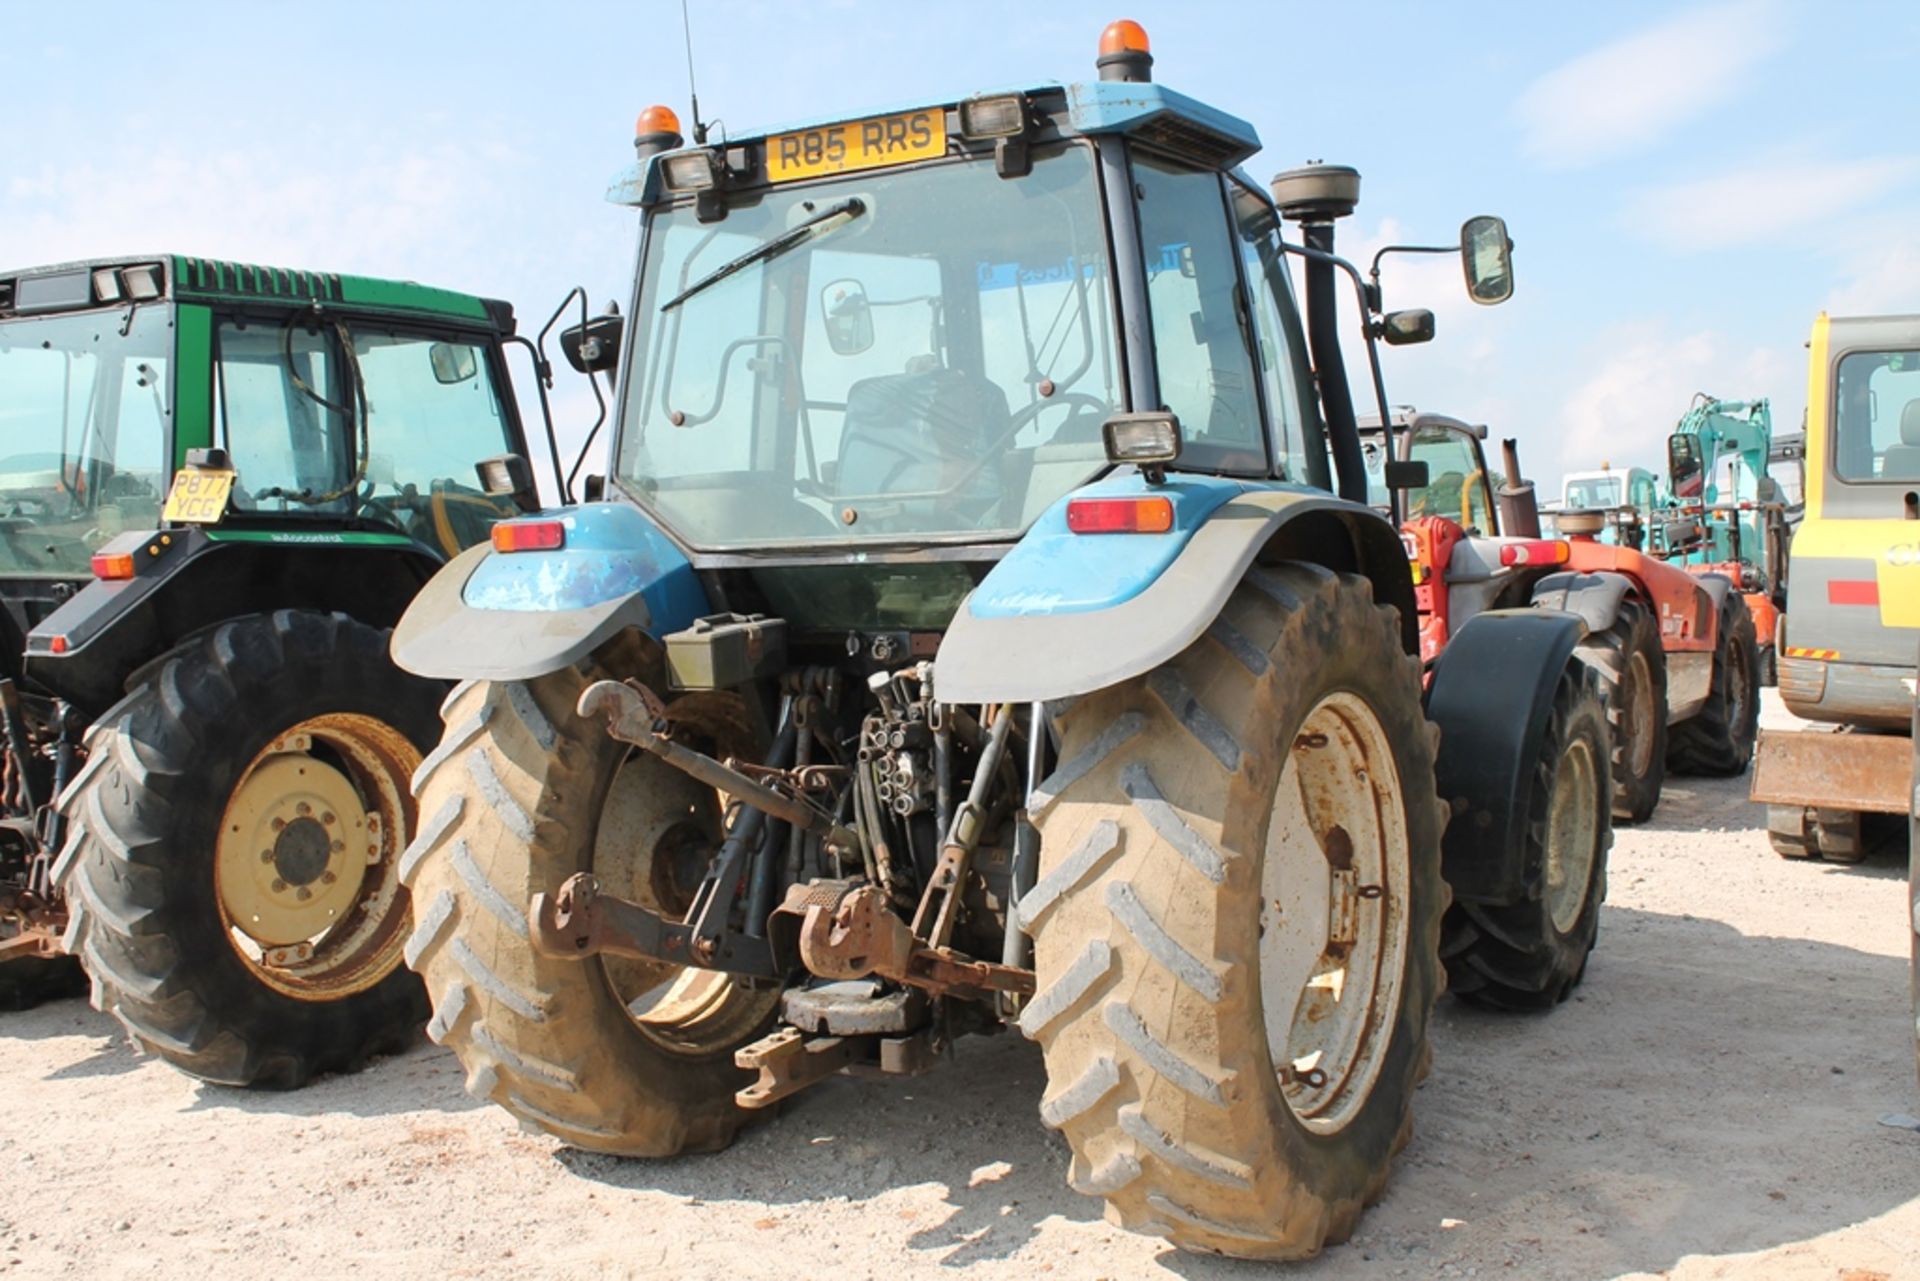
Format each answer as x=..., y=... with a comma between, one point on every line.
x=917, y=432
x=1902, y=461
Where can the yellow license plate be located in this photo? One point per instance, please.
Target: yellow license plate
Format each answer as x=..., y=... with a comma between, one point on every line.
x=856, y=145
x=198, y=497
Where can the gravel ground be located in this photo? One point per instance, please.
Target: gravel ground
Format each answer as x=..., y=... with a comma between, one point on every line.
x=1707, y=1105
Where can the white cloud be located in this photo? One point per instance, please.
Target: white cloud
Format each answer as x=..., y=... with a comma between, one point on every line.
x=1626, y=95
x=1762, y=202
x=382, y=209
x=1643, y=378
x=1876, y=266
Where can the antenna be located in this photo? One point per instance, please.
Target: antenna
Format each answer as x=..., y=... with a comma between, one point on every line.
x=686, y=31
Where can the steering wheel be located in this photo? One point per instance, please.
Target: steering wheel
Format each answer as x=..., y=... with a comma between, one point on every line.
x=992, y=451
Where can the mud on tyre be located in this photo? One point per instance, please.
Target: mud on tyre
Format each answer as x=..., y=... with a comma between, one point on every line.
x=1205, y=823
x=1531, y=954
x=245, y=801
x=608, y=1054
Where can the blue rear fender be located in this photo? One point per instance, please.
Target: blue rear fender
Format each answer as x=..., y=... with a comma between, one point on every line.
x=489, y=615
x=1064, y=614
x=1053, y=570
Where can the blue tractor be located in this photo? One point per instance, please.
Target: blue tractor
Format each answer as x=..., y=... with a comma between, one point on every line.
x=984, y=624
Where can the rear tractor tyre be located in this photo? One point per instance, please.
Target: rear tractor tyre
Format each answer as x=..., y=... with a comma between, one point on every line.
x=1236, y=923
x=1633, y=681
x=1530, y=955
x=1717, y=741
x=633, y=1058
x=232, y=848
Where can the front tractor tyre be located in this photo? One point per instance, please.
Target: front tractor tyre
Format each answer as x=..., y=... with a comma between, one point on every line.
x=1529, y=955
x=1236, y=923
x=608, y=1054
x=1633, y=682
x=1717, y=741
x=232, y=850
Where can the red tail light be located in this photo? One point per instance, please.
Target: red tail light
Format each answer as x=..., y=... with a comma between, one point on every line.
x=1119, y=515
x=1535, y=551
x=113, y=566
x=529, y=536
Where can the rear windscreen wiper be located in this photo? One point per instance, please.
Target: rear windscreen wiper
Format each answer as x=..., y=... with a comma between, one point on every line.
x=850, y=208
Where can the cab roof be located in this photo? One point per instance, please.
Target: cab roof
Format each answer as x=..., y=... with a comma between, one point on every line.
x=196, y=279
x=1152, y=113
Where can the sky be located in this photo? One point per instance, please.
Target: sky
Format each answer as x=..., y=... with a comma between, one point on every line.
x=1686, y=185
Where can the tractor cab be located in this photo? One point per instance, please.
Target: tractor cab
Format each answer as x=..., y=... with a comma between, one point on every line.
x=167, y=407
x=230, y=479
x=902, y=339
x=1451, y=529
x=1455, y=482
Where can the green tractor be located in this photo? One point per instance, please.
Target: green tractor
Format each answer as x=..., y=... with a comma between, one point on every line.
x=221, y=486
x=973, y=637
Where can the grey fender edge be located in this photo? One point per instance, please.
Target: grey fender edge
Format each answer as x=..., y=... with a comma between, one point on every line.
x=1037, y=657
x=1718, y=586
x=1594, y=597
x=442, y=636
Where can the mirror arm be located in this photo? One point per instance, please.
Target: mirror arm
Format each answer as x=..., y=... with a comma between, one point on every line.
x=543, y=369
x=1373, y=348
x=593, y=432
x=540, y=384
x=1373, y=271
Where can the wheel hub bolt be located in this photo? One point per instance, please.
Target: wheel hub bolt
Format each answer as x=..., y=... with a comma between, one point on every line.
x=327, y=818
x=303, y=893
x=279, y=886
x=279, y=823
x=266, y=856
x=328, y=878
x=303, y=809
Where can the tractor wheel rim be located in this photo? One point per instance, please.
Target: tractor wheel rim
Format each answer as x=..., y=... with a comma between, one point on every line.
x=1637, y=716
x=1573, y=826
x=1335, y=886
x=657, y=829
x=306, y=862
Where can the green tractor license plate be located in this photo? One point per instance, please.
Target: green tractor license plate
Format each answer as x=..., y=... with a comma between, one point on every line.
x=198, y=496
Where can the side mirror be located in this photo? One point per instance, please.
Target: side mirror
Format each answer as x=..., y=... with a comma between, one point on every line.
x=1686, y=470
x=594, y=488
x=1404, y=328
x=452, y=362
x=848, y=317
x=1487, y=255
x=1404, y=474
x=594, y=346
